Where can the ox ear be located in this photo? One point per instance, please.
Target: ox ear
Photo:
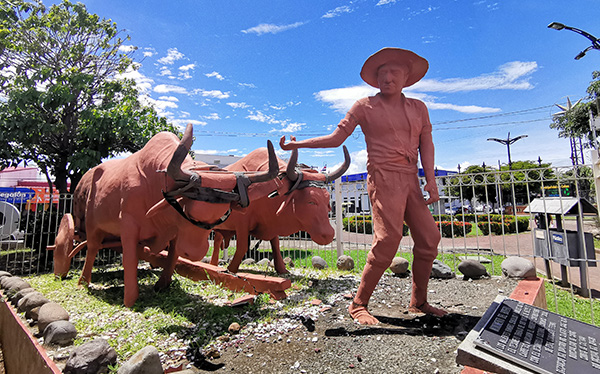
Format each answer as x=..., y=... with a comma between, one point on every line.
x=289, y=200
x=157, y=208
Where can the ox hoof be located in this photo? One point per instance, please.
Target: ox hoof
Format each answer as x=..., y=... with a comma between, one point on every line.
x=161, y=285
x=83, y=282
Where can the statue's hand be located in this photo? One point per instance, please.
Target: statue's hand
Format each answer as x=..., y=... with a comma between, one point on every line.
x=434, y=195
x=289, y=146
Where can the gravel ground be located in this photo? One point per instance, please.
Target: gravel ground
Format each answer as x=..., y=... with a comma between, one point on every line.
x=319, y=337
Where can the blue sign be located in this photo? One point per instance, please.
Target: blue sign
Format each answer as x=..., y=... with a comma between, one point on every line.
x=557, y=238
x=16, y=195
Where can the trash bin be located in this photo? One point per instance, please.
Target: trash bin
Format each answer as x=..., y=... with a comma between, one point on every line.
x=569, y=248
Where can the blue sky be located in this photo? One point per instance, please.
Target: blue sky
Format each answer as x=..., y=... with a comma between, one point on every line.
x=247, y=71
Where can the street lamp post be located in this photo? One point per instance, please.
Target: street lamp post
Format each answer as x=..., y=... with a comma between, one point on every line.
x=595, y=41
x=507, y=142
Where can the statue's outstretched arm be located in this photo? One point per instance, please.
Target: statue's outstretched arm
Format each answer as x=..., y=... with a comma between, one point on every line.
x=333, y=140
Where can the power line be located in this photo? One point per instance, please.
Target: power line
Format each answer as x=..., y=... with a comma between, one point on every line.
x=358, y=130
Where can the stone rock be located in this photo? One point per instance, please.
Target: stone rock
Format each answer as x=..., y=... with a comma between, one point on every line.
x=91, y=357
x=30, y=301
x=60, y=333
x=441, y=270
x=145, y=361
x=288, y=262
x=4, y=274
x=249, y=261
x=33, y=313
x=14, y=284
x=399, y=266
x=50, y=312
x=19, y=295
x=345, y=263
x=234, y=328
x=518, y=267
x=264, y=262
x=318, y=263
x=472, y=269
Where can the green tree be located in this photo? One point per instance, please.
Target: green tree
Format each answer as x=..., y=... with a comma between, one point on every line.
x=62, y=104
x=575, y=122
x=525, y=179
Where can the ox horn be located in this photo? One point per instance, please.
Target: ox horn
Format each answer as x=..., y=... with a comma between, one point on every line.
x=342, y=169
x=174, y=168
x=273, y=167
x=291, y=172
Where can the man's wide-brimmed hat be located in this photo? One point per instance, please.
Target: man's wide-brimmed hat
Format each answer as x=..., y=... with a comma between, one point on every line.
x=417, y=65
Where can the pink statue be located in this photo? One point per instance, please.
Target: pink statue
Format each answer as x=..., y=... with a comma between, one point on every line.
x=300, y=204
x=396, y=130
x=124, y=201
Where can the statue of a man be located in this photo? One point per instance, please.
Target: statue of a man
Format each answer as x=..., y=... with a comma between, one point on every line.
x=396, y=130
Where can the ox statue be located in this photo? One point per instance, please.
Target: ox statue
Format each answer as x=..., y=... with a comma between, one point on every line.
x=303, y=205
x=124, y=200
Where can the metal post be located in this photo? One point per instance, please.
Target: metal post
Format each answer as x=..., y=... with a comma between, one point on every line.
x=338, y=216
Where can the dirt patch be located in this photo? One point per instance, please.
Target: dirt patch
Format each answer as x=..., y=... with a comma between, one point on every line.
x=321, y=337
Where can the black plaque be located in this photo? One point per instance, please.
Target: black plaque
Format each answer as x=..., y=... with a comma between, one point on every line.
x=539, y=340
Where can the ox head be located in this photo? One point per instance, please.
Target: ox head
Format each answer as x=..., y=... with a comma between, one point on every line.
x=308, y=199
x=205, y=197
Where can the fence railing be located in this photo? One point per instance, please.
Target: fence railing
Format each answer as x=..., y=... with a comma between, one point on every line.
x=479, y=214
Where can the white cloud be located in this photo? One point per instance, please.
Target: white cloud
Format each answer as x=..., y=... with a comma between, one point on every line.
x=164, y=71
x=358, y=163
x=384, y=2
x=207, y=152
x=159, y=105
x=215, y=94
x=259, y=116
x=212, y=116
x=144, y=84
x=183, y=122
x=337, y=11
x=289, y=127
x=248, y=85
x=341, y=99
x=168, y=88
x=214, y=74
x=185, y=75
x=461, y=108
x=187, y=67
x=172, y=55
x=238, y=105
x=127, y=48
x=169, y=98
x=268, y=28
x=148, y=54
x=510, y=76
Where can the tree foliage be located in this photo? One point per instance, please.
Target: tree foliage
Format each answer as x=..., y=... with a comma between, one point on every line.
x=575, y=122
x=486, y=184
x=62, y=104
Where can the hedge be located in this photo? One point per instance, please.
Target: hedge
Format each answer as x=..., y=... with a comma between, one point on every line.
x=454, y=228
x=364, y=225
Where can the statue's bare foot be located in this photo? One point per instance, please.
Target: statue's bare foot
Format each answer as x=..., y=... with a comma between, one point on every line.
x=360, y=314
x=427, y=309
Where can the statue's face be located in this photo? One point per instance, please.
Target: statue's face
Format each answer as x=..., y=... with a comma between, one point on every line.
x=391, y=78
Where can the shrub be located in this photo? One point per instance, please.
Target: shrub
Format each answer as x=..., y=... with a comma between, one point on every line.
x=484, y=226
x=454, y=228
x=465, y=217
x=443, y=217
x=364, y=225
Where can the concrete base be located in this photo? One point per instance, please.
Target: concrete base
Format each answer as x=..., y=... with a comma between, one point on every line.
x=21, y=351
